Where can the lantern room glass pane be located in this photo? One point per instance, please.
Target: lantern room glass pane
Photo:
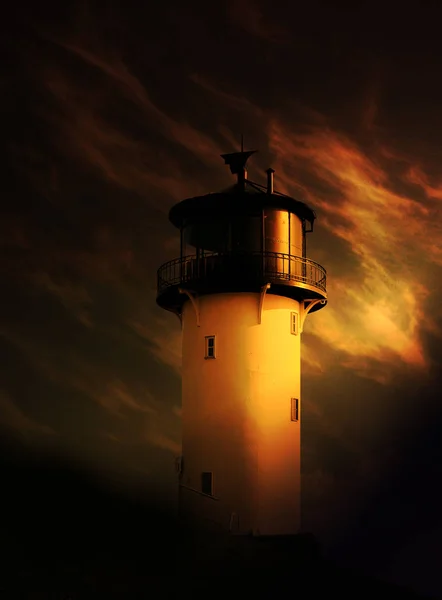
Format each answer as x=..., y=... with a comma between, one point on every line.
x=296, y=234
x=276, y=231
x=246, y=234
x=207, y=235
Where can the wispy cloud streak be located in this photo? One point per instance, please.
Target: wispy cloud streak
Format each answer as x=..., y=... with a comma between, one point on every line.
x=378, y=310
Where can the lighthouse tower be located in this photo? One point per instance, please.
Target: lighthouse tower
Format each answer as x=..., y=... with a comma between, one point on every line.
x=242, y=288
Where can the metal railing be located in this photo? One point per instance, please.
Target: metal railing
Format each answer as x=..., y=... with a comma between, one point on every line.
x=268, y=266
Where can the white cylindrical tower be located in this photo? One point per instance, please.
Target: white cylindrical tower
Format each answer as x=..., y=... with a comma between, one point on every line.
x=242, y=295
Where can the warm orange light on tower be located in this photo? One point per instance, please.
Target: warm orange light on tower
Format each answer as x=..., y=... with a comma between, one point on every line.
x=242, y=288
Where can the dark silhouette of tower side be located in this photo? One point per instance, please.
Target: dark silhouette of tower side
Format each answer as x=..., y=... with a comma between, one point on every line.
x=242, y=288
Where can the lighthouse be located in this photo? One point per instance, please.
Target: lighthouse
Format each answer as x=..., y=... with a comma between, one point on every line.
x=242, y=288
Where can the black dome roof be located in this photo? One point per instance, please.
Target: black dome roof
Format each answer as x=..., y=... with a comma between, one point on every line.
x=252, y=199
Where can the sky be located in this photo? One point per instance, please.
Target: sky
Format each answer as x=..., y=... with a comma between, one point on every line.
x=111, y=115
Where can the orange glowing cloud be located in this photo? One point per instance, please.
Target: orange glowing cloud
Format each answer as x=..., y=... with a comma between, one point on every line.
x=418, y=177
x=377, y=313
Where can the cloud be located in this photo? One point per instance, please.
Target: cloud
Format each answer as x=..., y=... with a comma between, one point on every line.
x=121, y=159
x=74, y=297
x=109, y=64
x=247, y=15
x=228, y=100
x=311, y=360
x=99, y=383
x=165, y=337
x=416, y=175
x=164, y=442
x=12, y=417
x=370, y=111
x=117, y=398
x=177, y=411
x=111, y=436
x=378, y=311
x=139, y=417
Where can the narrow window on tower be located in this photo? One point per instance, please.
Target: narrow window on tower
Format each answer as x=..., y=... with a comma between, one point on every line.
x=294, y=409
x=207, y=484
x=210, y=346
x=294, y=323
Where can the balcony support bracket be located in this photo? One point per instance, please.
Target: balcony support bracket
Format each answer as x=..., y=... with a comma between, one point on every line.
x=306, y=308
x=261, y=301
x=193, y=297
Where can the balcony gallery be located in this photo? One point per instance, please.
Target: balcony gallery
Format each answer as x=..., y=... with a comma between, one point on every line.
x=244, y=251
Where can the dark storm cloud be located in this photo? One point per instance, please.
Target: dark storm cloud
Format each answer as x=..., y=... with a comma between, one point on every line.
x=81, y=280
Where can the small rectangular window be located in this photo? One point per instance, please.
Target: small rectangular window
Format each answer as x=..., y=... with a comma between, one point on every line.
x=207, y=483
x=294, y=323
x=210, y=346
x=294, y=409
